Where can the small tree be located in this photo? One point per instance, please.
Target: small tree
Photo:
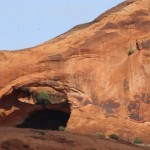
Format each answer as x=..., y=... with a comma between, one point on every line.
x=43, y=99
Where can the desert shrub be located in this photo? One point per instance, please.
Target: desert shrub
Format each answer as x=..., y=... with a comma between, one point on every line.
x=114, y=136
x=130, y=52
x=62, y=128
x=100, y=135
x=43, y=98
x=41, y=132
x=137, y=141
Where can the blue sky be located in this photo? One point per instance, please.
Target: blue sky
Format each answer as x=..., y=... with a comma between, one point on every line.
x=26, y=23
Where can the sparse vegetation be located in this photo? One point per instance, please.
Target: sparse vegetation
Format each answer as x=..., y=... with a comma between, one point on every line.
x=62, y=128
x=131, y=51
x=43, y=99
x=137, y=141
x=114, y=136
x=41, y=132
x=100, y=135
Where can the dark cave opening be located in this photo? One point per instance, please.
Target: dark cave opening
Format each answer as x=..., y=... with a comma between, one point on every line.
x=46, y=119
x=30, y=115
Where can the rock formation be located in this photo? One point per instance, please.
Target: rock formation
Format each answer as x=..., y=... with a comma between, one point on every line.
x=101, y=69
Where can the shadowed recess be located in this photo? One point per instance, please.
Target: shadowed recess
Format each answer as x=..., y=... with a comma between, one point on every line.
x=46, y=119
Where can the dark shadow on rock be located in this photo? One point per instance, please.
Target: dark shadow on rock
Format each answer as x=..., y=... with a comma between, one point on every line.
x=46, y=119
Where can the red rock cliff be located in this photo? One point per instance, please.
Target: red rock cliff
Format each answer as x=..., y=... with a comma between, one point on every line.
x=102, y=68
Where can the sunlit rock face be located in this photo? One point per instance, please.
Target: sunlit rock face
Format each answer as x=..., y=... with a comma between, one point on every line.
x=101, y=69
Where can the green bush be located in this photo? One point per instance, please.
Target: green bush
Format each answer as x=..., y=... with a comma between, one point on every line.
x=43, y=98
x=114, y=136
x=100, y=135
x=137, y=141
x=62, y=128
x=130, y=52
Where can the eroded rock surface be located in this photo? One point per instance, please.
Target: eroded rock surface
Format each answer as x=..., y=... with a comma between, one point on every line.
x=89, y=67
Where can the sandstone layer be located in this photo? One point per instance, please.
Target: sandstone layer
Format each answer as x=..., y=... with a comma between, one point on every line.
x=90, y=68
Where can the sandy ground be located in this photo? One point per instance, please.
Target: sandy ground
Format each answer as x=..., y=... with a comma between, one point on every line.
x=31, y=139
